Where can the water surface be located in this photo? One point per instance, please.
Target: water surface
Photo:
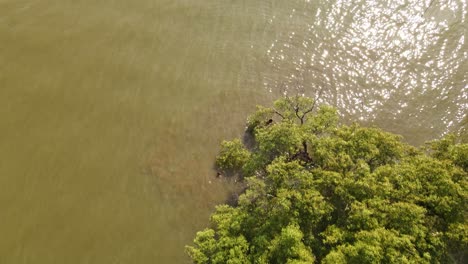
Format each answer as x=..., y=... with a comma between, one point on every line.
x=111, y=112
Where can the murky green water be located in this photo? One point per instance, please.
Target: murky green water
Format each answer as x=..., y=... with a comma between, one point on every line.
x=111, y=112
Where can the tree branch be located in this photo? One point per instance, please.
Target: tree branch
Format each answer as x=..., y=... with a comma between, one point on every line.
x=306, y=112
x=296, y=110
x=313, y=104
x=278, y=113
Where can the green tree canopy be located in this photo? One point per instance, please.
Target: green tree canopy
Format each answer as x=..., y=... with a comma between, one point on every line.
x=320, y=192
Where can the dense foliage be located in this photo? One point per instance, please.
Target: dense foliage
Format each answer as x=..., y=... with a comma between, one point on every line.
x=321, y=192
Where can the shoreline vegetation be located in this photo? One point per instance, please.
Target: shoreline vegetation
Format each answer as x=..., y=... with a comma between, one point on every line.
x=316, y=191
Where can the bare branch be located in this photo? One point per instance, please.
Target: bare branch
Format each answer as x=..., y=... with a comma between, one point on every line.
x=278, y=113
x=316, y=99
x=296, y=110
x=308, y=111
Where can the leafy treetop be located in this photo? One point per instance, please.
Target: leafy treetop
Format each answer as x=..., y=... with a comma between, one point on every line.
x=320, y=192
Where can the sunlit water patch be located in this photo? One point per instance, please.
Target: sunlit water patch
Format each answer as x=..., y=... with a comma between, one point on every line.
x=398, y=64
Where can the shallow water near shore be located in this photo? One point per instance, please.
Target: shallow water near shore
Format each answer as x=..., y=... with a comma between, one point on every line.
x=111, y=113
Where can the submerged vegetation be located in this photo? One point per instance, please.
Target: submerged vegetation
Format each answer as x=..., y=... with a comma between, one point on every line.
x=320, y=192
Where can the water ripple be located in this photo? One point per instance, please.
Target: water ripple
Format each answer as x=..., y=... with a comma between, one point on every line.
x=376, y=60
